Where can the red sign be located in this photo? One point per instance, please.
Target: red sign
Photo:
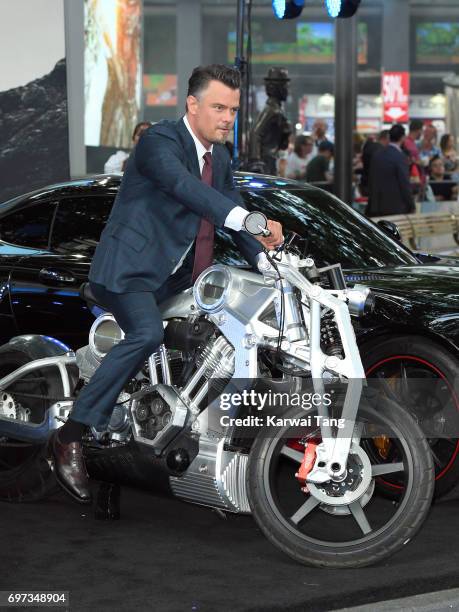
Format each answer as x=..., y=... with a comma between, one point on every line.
x=395, y=93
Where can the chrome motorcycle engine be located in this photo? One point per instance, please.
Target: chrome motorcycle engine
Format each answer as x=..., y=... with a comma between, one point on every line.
x=171, y=390
x=160, y=411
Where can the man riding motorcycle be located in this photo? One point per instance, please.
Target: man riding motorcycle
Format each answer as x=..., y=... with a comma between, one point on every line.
x=176, y=187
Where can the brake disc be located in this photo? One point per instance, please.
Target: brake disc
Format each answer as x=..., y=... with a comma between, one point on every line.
x=359, y=484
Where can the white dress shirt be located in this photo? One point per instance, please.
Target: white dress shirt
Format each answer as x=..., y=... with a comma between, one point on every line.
x=235, y=217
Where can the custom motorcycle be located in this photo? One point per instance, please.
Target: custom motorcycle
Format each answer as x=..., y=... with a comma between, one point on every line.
x=256, y=402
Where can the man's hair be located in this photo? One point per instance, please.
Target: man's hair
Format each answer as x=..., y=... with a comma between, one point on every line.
x=416, y=125
x=396, y=132
x=326, y=145
x=383, y=134
x=202, y=75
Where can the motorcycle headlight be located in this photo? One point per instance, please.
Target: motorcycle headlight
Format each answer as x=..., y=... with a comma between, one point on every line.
x=212, y=288
x=105, y=333
x=361, y=300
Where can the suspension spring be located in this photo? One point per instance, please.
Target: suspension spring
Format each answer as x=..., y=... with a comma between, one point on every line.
x=330, y=337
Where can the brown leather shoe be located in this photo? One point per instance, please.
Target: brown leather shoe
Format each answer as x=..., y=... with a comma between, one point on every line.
x=69, y=468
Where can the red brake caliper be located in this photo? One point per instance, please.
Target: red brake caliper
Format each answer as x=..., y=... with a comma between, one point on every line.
x=308, y=463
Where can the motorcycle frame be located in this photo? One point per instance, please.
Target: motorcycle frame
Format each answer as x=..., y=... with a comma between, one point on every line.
x=239, y=321
x=55, y=414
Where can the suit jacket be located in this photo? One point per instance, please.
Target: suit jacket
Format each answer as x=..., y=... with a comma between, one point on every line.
x=390, y=188
x=370, y=148
x=158, y=210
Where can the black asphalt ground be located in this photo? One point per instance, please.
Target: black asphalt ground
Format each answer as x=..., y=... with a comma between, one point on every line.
x=168, y=556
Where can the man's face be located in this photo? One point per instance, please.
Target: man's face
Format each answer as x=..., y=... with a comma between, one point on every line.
x=308, y=147
x=212, y=114
x=429, y=132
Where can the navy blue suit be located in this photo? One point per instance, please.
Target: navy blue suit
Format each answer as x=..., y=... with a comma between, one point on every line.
x=389, y=188
x=155, y=218
x=158, y=210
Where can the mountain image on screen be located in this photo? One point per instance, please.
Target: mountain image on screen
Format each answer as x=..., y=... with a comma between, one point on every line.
x=34, y=134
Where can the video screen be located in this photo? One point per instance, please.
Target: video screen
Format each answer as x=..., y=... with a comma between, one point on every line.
x=113, y=71
x=160, y=89
x=314, y=44
x=437, y=43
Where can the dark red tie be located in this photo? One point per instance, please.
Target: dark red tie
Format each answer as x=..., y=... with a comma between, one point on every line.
x=204, y=248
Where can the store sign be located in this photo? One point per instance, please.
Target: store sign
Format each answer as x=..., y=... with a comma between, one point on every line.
x=395, y=94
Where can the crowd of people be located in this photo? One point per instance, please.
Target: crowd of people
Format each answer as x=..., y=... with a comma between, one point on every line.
x=396, y=169
x=391, y=170
x=311, y=158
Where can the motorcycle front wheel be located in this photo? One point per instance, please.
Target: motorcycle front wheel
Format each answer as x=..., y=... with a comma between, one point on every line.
x=348, y=523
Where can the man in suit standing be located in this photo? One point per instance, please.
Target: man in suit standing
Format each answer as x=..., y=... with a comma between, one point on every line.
x=390, y=188
x=370, y=148
x=177, y=186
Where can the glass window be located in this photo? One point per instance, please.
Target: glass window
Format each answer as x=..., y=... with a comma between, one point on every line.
x=28, y=226
x=79, y=223
x=333, y=231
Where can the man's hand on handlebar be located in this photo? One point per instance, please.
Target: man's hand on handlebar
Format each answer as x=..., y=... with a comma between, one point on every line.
x=275, y=238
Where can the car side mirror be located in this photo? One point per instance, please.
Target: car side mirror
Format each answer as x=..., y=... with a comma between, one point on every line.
x=390, y=228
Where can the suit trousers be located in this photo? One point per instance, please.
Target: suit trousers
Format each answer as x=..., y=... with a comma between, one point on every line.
x=139, y=317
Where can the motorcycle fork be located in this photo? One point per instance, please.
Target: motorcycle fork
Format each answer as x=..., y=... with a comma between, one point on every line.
x=332, y=453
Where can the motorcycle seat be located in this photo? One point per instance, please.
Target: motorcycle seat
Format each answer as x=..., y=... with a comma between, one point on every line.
x=87, y=295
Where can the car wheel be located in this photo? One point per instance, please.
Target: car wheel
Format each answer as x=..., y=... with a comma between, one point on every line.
x=421, y=376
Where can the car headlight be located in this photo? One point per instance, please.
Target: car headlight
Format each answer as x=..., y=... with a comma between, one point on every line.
x=105, y=333
x=215, y=287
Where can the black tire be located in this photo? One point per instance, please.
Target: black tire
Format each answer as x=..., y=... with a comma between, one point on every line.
x=421, y=356
x=274, y=493
x=25, y=475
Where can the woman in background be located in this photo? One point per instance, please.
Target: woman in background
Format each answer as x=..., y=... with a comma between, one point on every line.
x=448, y=153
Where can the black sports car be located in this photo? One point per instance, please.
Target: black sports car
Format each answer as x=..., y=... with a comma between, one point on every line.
x=47, y=239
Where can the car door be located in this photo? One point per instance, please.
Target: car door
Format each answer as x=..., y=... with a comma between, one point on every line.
x=45, y=287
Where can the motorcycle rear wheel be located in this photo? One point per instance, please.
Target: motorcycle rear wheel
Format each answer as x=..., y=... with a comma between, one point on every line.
x=328, y=535
x=25, y=474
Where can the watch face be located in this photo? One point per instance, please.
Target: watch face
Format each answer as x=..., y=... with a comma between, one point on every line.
x=256, y=223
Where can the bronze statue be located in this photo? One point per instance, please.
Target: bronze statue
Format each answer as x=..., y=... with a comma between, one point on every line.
x=272, y=129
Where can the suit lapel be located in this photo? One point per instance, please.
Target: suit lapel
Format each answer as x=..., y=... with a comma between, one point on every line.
x=193, y=164
x=190, y=148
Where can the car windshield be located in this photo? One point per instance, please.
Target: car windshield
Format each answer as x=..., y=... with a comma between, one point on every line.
x=334, y=232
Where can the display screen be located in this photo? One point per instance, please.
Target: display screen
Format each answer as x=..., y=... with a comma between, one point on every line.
x=160, y=89
x=113, y=71
x=437, y=43
x=314, y=43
